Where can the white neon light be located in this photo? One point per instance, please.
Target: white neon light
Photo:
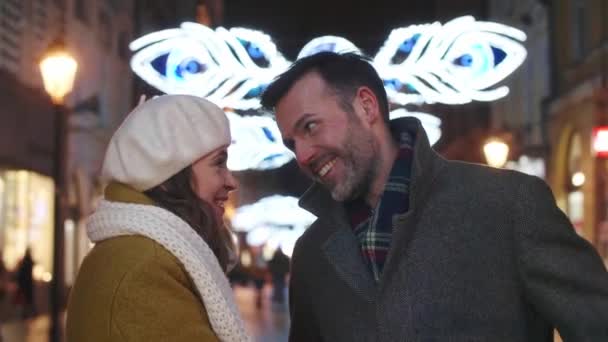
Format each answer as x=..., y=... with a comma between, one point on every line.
x=258, y=236
x=227, y=72
x=231, y=67
x=231, y=73
x=274, y=222
x=529, y=165
x=285, y=239
x=256, y=144
x=578, y=179
x=281, y=212
x=600, y=141
x=430, y=123
x=328, y=43
x=429, y=67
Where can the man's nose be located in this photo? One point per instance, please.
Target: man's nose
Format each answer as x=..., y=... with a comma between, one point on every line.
x=305, y=153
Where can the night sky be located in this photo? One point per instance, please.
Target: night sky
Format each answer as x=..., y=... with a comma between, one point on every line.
x=365, y=23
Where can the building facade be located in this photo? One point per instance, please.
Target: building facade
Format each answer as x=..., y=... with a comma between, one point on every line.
x=97, y=33
x=520, y=116
x=578, y=105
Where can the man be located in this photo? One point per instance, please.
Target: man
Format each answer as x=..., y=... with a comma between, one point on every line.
x=411, y=247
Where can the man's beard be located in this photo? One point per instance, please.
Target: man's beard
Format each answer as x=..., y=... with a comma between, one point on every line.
x=359, y=158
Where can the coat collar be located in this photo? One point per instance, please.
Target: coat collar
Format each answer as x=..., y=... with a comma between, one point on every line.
x=341, y=247
x=119, y=192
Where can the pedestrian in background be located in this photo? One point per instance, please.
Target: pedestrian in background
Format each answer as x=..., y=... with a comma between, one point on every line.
x=278, y=267
x=25, y=285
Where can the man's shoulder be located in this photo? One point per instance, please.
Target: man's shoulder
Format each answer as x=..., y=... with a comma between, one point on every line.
x=467, y=180
x=471, y=172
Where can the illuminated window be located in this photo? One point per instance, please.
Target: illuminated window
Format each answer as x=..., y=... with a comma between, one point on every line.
x=26, y=219
x=574, y=184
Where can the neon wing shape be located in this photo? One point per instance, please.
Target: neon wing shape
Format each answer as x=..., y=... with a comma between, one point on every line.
x=454, y=63
x=229, y=67
x=256, y=144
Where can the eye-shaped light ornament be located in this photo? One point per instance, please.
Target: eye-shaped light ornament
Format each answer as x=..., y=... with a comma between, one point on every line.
x=454, y=63
x=256, y=144
x=229, y=67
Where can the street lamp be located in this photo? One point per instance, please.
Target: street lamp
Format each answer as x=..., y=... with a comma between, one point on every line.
x=496, y=152
x=58, y=70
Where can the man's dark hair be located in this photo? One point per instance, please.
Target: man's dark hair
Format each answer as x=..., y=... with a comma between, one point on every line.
x=343, y=73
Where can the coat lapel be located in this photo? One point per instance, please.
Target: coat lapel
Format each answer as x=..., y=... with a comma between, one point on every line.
x=343, y=252
x=426, y=165
x=340, y=247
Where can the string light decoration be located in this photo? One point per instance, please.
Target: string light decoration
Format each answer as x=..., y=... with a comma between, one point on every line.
x=275, y=221
x=256, y=144
x=455, y=63
x=328, y=43
x=228, y=67
x=431, y=123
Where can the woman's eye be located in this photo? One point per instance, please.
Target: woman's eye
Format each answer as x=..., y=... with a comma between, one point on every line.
x=221, y=162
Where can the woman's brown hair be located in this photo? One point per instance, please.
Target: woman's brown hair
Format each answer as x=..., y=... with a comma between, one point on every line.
x=177, y=196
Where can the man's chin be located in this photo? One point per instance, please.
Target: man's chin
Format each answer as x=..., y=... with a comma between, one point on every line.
x=337, y=192
x=341, y=195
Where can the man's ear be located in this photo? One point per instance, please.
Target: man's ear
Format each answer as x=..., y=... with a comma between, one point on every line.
x=369, y=103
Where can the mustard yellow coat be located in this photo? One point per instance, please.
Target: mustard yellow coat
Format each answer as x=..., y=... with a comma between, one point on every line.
x=132, y=289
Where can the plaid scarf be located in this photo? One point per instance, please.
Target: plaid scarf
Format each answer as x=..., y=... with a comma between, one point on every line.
x=374, y=228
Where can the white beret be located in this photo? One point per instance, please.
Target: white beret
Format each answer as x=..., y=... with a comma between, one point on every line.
x=161, y=137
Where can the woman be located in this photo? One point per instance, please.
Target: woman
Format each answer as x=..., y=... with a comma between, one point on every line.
x=157, y=271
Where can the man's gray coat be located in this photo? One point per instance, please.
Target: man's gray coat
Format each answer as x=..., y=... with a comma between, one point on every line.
x=482, y=255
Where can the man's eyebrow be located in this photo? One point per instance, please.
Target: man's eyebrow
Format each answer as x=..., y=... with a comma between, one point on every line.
x=298, y=125
x=289, y=142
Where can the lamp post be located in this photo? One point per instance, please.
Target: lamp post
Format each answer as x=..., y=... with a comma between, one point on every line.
x=496, y=152
x=58, y=70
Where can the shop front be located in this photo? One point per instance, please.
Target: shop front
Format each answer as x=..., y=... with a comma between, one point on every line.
x=576, y=174
x=26, y=220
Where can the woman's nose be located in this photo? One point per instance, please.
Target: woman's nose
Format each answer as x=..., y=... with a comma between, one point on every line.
x=231, y=182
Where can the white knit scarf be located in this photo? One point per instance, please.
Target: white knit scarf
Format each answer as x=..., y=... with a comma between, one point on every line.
x=113, y=219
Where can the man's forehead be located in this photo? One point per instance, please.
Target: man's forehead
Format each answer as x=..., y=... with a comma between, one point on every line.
x=285, y=118
x=302, y=98
x=310, y=84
